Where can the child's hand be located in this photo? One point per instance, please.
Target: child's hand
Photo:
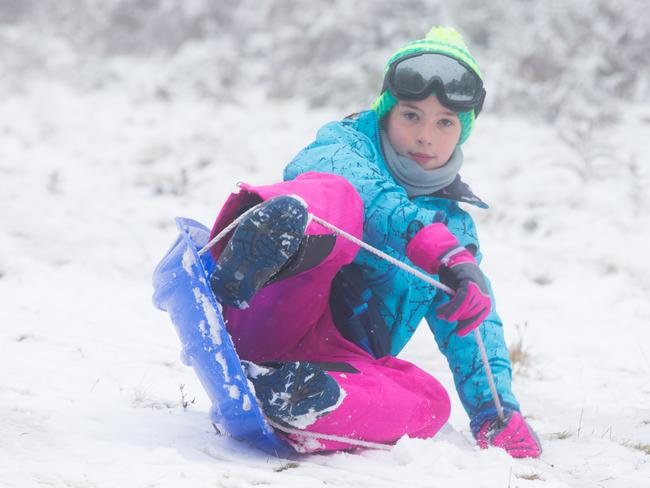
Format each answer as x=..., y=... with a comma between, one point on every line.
x=515, y=436
x=435, y=249
x=471, y=303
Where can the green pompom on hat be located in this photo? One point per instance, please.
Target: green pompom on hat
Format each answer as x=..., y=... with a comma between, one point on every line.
x=442, y=40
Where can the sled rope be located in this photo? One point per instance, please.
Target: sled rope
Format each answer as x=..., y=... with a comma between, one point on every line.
x=329, y=437
x=409, y=269
x=383, y=255
x=225, y=231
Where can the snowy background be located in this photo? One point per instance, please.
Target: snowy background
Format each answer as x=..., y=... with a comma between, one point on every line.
x=118, y=115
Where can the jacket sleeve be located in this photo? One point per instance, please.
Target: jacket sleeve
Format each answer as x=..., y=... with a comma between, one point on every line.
x=462, y=353
x=390, y=218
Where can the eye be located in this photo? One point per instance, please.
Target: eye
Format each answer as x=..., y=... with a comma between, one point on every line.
x=447, y=122
x=411, y=116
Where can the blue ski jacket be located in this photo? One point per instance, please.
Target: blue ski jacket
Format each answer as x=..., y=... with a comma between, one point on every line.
x=351, y=148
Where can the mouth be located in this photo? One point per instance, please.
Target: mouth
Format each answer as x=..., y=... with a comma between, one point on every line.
x=421, y=158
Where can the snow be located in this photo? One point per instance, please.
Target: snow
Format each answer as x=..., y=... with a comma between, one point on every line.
x=90, y=390
x=224, y=366
x=246, y=403
x=214, y=326
x=234, y=392
x=188, y=261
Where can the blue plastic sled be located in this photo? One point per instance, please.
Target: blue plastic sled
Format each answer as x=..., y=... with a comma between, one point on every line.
x=181, y=288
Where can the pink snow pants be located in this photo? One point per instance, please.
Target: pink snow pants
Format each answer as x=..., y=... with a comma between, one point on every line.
x=291, y=320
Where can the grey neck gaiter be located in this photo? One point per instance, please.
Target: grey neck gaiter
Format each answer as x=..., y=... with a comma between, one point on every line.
x=416, y=180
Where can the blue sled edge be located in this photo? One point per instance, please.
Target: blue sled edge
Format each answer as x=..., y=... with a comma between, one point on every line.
x=181, y=288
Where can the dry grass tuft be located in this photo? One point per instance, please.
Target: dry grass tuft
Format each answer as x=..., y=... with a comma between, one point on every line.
x=530, y=476
x=519, y=356
x=640, y=446
x=565, y=434
x=284, y=467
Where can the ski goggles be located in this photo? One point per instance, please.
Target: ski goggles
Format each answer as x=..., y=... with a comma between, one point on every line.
x=416, y=76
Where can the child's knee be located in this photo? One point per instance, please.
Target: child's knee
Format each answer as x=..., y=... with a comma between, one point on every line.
x=444, y=407
x=334, y=195
x=439, y=408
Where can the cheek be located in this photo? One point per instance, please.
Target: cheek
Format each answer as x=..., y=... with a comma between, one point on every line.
x=447, y=144
x=399, y=136
x=454, y=136
x=450, y=136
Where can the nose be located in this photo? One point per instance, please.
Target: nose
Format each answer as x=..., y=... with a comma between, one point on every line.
x=425, y=138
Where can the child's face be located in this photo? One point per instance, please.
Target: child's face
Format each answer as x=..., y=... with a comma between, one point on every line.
x=424, y=131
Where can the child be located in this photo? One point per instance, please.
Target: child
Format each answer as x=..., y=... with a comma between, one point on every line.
x=389, y=176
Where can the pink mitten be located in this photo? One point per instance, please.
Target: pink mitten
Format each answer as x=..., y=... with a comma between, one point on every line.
x=437, y=251
x=515, y=436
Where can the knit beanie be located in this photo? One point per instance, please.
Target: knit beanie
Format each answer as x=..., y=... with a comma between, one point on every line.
x=442, y=40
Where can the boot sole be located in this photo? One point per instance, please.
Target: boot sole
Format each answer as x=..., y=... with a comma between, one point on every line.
x=262, y=243
x=297, y=394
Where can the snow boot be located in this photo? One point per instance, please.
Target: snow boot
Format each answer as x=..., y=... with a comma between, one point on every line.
x=260, y=246
x=295, y=394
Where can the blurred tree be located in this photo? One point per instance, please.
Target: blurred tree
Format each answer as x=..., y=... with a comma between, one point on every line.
x=548, y=59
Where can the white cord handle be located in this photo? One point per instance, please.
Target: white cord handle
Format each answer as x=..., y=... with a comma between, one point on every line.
x=329, y=437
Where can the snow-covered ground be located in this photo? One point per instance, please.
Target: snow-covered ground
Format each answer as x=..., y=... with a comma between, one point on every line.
x=92, y=391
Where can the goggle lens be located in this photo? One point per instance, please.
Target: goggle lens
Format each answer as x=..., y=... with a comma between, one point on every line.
x=416, y=77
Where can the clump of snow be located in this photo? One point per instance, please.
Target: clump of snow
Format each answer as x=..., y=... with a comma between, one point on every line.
x=210, y=315
x=282, y=400
x=218, y=356
x=188, y=262
x=246, y=403
x=233, y=392
x=305, y=444
x=254, y=370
